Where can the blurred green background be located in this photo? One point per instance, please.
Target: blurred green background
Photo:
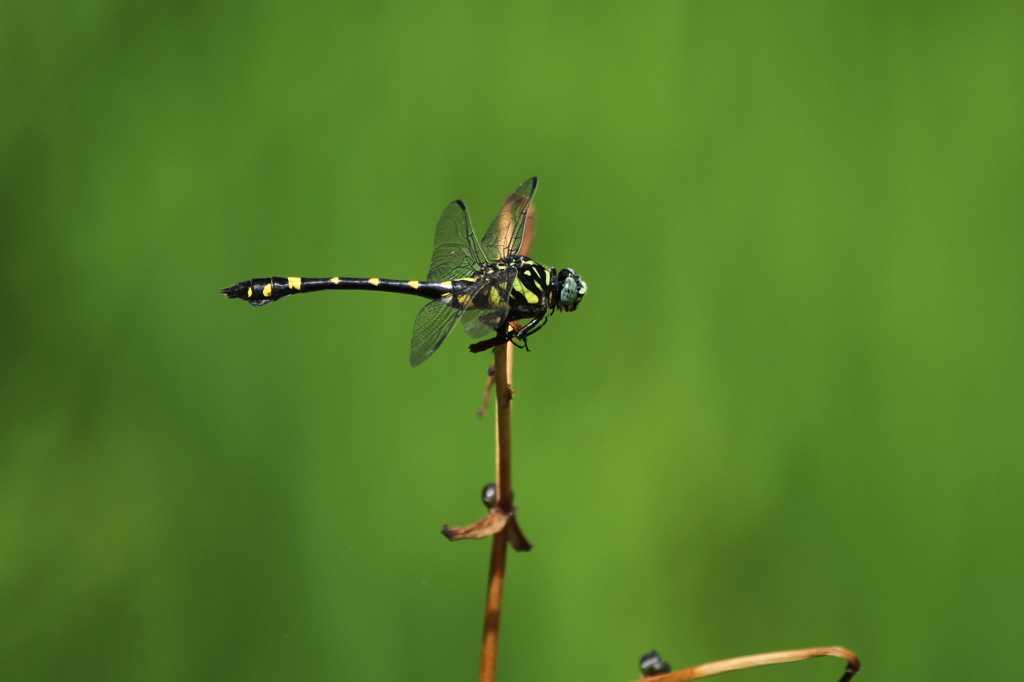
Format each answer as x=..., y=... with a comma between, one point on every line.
x=788, y=413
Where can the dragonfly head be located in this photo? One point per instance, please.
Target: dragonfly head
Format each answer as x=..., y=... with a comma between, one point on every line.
x=570, y=290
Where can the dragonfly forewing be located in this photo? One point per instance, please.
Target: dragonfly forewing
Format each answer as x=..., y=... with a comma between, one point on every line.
x=457, y=253
x=505, y=235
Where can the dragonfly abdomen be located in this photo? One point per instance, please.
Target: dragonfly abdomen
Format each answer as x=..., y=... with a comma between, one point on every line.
x=264, y=290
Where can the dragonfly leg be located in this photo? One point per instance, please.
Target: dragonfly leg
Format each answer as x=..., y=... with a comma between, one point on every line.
x=532, y=327
x=517, y=335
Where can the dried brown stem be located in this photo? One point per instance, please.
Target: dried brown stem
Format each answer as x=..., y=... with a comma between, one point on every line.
x=492, y=614
x=743, y=662
x=489, y=526
x=515, y=536
x=487, y=393
x=499, y=550
x=502, y=372
x=484, y=528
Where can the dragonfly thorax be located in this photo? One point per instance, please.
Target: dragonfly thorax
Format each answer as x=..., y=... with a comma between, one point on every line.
x=531, y=289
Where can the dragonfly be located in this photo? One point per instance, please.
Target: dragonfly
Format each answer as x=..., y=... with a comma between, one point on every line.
x=486, y=283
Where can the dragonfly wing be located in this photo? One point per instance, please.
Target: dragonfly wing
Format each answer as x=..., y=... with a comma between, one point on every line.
x=457, y=253
x=478, y=323
x=433, y=325
x=491, y=313
x=505, y=235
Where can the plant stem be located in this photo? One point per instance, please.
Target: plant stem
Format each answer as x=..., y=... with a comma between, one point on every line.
x=502, y=381
x=499, y=548
x=492, y=616
x=745, y=662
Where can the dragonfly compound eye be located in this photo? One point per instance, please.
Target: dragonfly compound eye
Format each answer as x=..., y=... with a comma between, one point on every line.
x=573, y=289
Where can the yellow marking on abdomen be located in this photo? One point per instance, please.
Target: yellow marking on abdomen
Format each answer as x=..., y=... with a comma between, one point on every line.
x=250, y=293
x=267, y=289
x=414, y=284
x=447, y=284
x=295, y=283
x=335, y=280
x=375, y=281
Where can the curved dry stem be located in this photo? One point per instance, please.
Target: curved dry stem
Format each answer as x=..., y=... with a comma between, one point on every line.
x=515, y=536
x=487, y=393
x=743, y=662
x=484, y=528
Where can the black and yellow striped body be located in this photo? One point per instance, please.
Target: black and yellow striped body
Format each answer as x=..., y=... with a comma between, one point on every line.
x=532, y=292
x=263, y=291
x=485, y=283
